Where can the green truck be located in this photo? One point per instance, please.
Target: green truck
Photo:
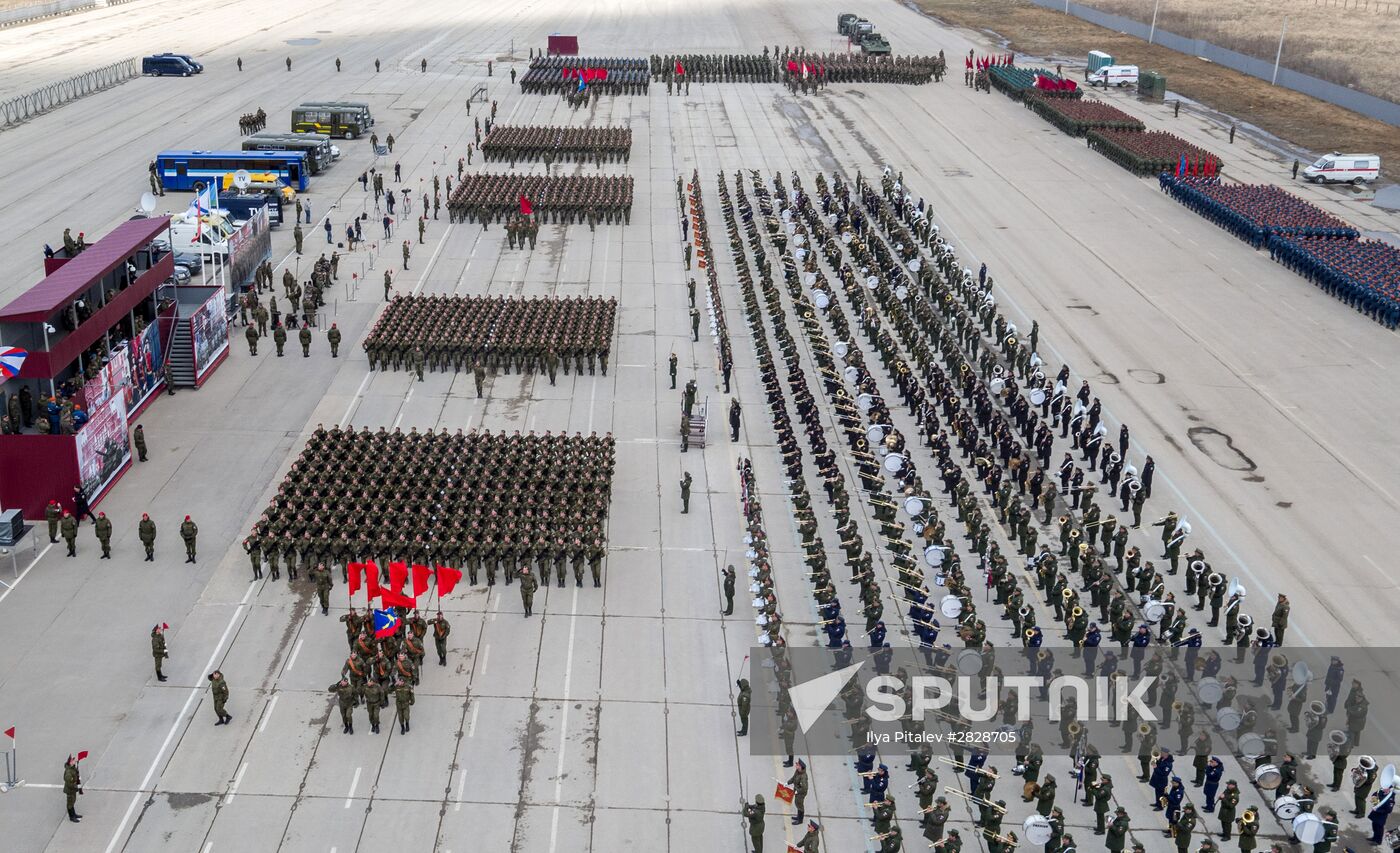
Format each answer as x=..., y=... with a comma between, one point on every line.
x=874, y=44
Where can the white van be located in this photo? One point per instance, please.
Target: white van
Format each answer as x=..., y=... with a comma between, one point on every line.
x=1115, y=75
x=1344, y=168
x=206, y=239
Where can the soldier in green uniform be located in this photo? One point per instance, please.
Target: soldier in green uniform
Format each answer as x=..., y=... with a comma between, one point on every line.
x=441, y=629
x=1117, y=831
x=322, y=576
x=251, y=334
x=479, y=375
x=188, y=532
x=403, y=699
x=146, y=531
x=729, y=578
x=53, y=513
x=138, y=438
x=811, y=842
x=1229, y=801
x=158, y=649
x=673, y=371
x=305, y=337
x=742, y=703
x=254, y=548
x=218, y=685
x=374, y=699
x=297, y=235
x=68, y=527
x=73, y=788
x=754, y=813
x=416, y=361
x=1249, y=830
x=345, y=695
x=388, y=284
x=104, y=535
x=333, y=338
x=695, y=324
x=685, y=493
x=528, y=585
x=279, y=337
x=1103, y=797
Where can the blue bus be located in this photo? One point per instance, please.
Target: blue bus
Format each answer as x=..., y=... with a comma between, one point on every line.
x=180, y=170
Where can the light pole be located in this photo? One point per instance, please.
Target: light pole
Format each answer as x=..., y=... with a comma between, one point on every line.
x=1279, y=55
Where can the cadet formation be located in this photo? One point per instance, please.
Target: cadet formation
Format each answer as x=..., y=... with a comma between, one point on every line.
x=495, y=333
x=550, y=75
x=557, y=144
x=787, y=67
x=488, y=503
x=565, y=199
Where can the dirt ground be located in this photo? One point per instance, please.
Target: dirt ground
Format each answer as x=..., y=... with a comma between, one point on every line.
x=1292, y=116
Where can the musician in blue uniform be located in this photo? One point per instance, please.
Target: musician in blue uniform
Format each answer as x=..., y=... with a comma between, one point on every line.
x=1380, y=813
x=1214, y=770
x=1161, y=776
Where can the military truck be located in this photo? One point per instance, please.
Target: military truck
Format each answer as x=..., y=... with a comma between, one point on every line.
x=874, y=44
x=844, y=21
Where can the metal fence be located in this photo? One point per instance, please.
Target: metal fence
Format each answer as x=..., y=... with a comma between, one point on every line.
x=18, y=110
x=38, y=11
x=1379, y=6
x=1367, y=105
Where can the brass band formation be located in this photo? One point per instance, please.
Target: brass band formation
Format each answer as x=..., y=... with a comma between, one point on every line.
x=892, y=306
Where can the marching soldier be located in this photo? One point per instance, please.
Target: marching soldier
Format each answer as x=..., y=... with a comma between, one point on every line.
x=375, y=699
x=218, y=686
x=729, y=578
x=478, y=374
x=322, y=576
x=403, y=700
x=528, y=585
x=345, y=695
x=441, y=628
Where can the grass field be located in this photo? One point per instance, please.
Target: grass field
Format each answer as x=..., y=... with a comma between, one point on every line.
x=1350, y=42
x=1289, y=115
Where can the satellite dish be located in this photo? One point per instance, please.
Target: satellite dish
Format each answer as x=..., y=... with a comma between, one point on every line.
x=242, y=179
x=148, y=203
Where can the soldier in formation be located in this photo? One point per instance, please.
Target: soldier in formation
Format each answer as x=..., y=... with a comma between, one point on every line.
x=511, y=143
x=488, y=198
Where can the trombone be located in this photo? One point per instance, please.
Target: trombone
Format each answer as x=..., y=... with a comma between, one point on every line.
x=978, y=800
x=963, y=767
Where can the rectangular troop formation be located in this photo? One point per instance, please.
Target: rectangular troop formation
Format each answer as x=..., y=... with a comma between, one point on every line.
x=463, y=500
x=563, y=75
x=783, y=67
x=486, y=198
x=505, y=333
x=551, y=144
x=1321, y=247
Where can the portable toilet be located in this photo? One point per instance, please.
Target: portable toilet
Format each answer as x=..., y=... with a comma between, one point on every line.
x=1152, y=85
x=1098, y=59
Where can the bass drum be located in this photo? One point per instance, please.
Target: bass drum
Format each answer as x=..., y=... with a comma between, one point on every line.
x=1309, y=828
x=1287, y=808
x=1038, y=830
x=1210, y=690
x=933, y=555
x=1038, y=397
x=1228, y=719
x=1268, y=777
x=969, y=662
x=950, y=606
x=914, y=505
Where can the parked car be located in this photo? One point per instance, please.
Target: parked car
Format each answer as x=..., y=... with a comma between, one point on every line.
x=189, y=60
x=166, y=66
x=1114, y=75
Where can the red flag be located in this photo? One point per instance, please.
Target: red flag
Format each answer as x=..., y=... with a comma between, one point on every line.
x=420, y=579
x=792, y=67
x=10, y=733
x=784, y=793
x=394, y=599
x=525, y=208
x=680, y=69
x=352, y=574
x=447, y=579
x=82, y=755
x=371, y=580
x=398, y=574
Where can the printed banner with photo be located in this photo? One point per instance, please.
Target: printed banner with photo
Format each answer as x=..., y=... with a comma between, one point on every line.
x=102, y=445
x=209, y=327
x=145, y=362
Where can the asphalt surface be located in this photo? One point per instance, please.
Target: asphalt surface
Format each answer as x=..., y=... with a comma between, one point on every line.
x=606, y=723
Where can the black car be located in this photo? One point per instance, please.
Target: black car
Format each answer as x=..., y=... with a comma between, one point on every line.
x=189, y=60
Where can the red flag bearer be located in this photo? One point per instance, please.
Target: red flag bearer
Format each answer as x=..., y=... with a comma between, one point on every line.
x=73, y=786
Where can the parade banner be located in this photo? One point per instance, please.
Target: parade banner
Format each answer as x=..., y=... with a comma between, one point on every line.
x=102, y=445
x=145, y=363
x=209, y=329
x=248, y=246
x=96, y=391
x=117, y=373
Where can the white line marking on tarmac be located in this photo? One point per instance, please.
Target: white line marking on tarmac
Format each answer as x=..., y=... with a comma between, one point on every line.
x=6, y=594
x=237, y=780
x=461, y=784
x=354, y=783
x=267, y=714
x=355, y=400
x=563, y=726
x=423, y=279
x=170, y=735
x=296, y=650
x=485, y=657
x=471, y=726
x=208, y=845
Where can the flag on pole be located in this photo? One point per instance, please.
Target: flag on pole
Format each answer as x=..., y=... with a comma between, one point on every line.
x=420, y=579
x=525, y=208
x=447, y=579
x=680, y=69
x=82, y=755
x=394, y=599
x=784, y=793
x=386, y=624
x=371, y=580
x=10, y=733
x=398, y=575
x=352, y=574
x=11, y=360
